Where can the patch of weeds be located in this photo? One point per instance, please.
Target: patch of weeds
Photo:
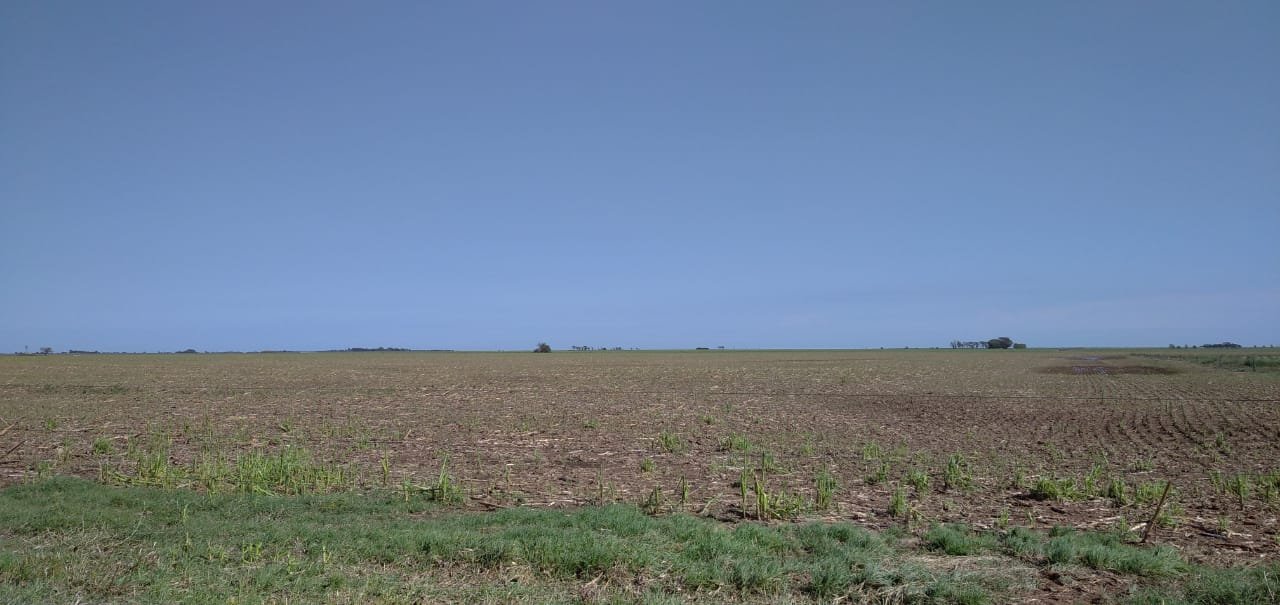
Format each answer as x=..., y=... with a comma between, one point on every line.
x=769, y=504
x=1058, y=490
x=918, y=479
x=1170, y=516
x=1089, y=486
x=1269, y=487
x=102, y=446
x=1002, y=521
x=44, y=469
x=1215, y=480
x=735, y=442
x=446, y=490
x=958, y=540
x=1107, y=552
x=591, y=423
x=1241, y=585
x=671, y=442
x=1018, y=478
x=288, y=471
x=898, y=504
x=1023, y=543
x=1055, y=453
x=879, y=475
x=769, y=463
x=1149, y=492
x=824, y=484
x=1221, y=444
x=1239, y=485
x=648, y=465
x=654, y=502
x=1145, y=464
x=830, y=578
x=956, y=475
x=872, y=451
x=1117, y=492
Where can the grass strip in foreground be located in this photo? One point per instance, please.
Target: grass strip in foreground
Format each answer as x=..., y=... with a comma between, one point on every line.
x=63, y=540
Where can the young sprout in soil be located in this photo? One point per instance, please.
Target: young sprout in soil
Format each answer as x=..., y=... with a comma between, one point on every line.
x=898, y=503
x=825, y=489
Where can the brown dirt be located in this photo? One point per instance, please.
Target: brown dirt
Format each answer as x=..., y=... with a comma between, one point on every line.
x=1078, y=369
x=560, y=429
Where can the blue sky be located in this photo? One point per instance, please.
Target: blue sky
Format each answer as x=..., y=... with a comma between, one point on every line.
x=488, y=175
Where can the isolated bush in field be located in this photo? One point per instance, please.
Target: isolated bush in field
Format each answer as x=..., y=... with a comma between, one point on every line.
x=542, y=348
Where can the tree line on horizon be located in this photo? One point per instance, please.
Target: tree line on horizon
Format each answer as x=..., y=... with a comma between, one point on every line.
x=1002, y=342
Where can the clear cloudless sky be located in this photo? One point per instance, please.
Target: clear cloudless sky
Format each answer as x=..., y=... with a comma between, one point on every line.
x=488, y=175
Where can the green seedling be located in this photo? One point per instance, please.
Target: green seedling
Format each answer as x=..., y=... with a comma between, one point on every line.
x=824, y=489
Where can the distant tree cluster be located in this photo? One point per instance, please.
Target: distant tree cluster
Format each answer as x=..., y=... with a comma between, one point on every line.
x=1003, y=342
x=542, y=348
x=1222, y=345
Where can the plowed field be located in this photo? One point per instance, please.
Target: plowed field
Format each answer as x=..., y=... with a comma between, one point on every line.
x=564, y=429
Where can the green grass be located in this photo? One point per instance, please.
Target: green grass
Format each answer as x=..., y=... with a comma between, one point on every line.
x=1108, y=552
x=954, y=539
x=1238, y=360
x=1048, y=488
x=67, y=540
